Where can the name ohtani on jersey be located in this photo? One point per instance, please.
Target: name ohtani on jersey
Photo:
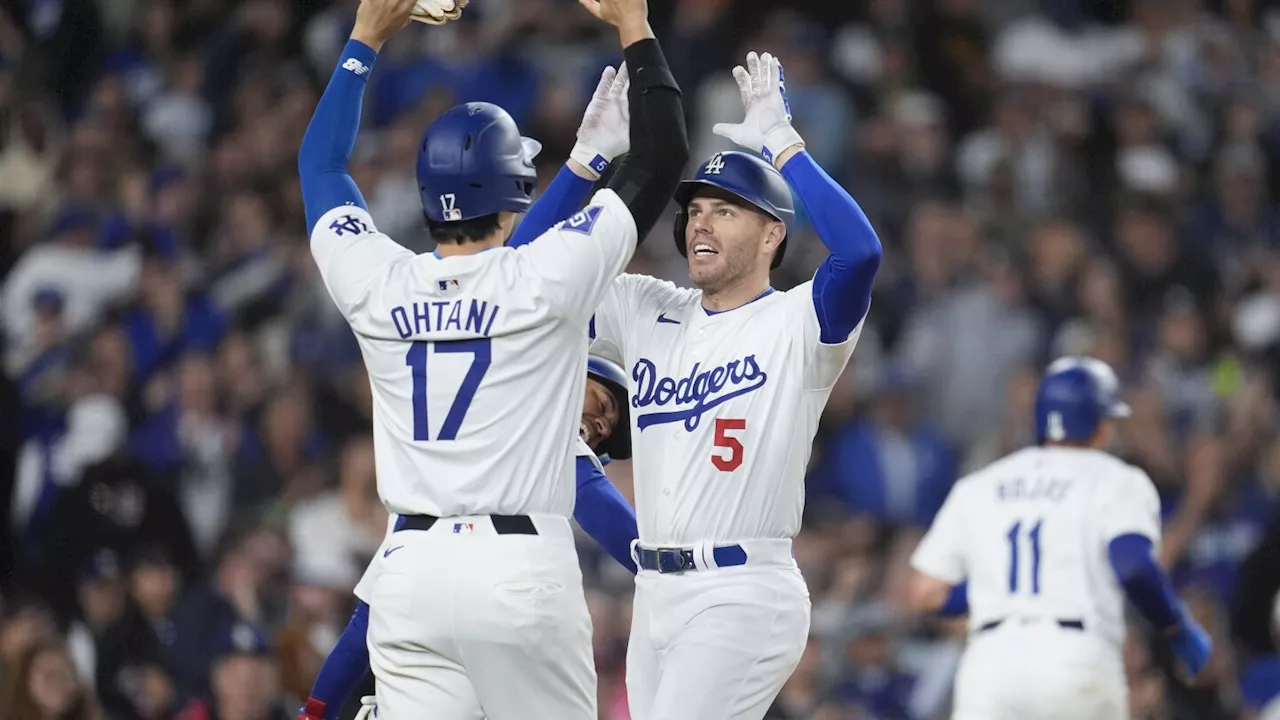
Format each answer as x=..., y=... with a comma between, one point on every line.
x=695, y=393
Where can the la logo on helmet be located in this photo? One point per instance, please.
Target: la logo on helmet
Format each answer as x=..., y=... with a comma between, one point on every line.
x=715, y=165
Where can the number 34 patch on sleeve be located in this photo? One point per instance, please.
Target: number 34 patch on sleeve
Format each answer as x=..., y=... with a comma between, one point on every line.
x=583, y=221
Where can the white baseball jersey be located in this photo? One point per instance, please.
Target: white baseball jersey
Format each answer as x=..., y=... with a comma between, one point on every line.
x=475, y=361
x=1030, y=533
x=724, y=406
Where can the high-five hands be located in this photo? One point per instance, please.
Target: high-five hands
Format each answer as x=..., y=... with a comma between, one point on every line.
x=378, y=20
x=766, y=129
x=605, y=132
x=438, y=12
x=618, y=12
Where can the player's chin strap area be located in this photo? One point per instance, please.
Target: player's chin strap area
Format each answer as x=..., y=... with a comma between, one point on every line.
x=368, y=708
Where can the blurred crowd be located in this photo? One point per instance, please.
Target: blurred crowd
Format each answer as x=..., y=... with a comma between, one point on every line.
x=186, y=472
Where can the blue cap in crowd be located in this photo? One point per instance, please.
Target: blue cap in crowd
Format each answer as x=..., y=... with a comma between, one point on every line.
x=243, y=638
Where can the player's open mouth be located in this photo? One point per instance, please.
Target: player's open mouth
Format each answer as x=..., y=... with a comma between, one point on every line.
x=703, y=249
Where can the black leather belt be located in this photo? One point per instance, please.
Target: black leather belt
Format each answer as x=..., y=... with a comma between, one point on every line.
x=502, y=524
x=1065, y=624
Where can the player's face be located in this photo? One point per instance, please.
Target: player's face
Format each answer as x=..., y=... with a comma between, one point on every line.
x=599, y=414
x=728, y=241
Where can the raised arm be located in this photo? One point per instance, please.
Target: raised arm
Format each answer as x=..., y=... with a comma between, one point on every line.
x=331, y=134
x=648, y=176
x=602, y=136
x=842, y=285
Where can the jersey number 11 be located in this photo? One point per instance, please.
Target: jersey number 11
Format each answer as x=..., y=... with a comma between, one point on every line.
x=1015, y=539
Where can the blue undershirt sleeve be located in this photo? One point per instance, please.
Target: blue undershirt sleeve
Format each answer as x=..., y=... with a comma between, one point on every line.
x=1145, y=584
x=562, y=198
x=331, y=136
x=842, y=284
x=604, y=514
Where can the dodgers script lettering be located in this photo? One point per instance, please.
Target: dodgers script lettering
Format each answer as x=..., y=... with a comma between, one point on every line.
x=694, y=394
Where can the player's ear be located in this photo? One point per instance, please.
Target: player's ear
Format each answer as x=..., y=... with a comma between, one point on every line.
x=776, y=232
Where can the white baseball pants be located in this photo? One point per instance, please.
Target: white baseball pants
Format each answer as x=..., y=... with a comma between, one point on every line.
x=718, y=643
x=467, y=624
x=1042, y=671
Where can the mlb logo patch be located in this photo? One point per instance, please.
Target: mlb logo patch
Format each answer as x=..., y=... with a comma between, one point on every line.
x=448, y=284
x=583, y=221
x=463, y=528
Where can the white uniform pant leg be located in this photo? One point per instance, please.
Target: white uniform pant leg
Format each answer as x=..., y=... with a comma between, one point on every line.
x=728, y=640
x=508, y=610
x=407, y=651
x=643, y=658
x=1040, y=671
x=530, y=657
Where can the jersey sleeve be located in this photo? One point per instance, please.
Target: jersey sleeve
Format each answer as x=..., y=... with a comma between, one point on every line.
x=939, y=553
x=627, y=300
x=823, y=362
x=351, y=253
x=578, y=258
x=1133, y=507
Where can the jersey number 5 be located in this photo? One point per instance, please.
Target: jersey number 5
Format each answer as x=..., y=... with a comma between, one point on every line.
x=1033, y=539
x=731, y=461
x=416, y=359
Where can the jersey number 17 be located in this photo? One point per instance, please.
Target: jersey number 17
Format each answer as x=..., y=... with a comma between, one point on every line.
x=416, y=359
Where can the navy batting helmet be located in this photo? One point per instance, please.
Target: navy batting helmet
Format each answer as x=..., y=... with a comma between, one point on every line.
x=746, y=176
x=1075, y=396
x=473, y=162
x=618, y=445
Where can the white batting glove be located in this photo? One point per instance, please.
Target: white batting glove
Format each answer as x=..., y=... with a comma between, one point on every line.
x=766, y=128
x=438, y=12
x=605, y=132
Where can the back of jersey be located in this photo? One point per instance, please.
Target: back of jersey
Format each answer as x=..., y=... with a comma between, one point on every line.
x=1030, y=533
x=475, y=361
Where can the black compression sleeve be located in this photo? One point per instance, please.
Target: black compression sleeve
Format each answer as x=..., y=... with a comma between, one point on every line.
x=648, y=176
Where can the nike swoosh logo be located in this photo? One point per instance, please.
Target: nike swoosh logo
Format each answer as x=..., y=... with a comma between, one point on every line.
x=664, y=319
x=388, y=551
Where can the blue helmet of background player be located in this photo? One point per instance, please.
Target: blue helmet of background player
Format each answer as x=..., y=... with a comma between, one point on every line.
x=618, y=445
x=745, y=176
x=1076, y=395
x=474, y=162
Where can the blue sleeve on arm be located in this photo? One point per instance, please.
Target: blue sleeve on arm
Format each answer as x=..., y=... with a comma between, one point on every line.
x=345, y=666
x=842, y=285
x=1144, y=583
x=957, y=603
x=561, y=199
x=604, y=514
x=331, y=135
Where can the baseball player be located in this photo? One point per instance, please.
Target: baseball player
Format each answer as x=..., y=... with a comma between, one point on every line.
x=1051, y=540
x=600, y=509
x=474, y=356
x=727, y=383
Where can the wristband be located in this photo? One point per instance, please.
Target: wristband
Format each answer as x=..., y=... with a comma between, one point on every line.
x=589, y=158
x=781, y=137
